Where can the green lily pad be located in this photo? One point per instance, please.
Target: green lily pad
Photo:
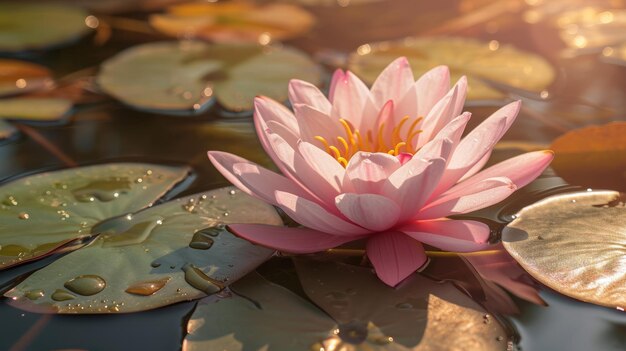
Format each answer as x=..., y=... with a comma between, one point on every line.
x=37, y=26
x=352, y=310
x=185, y=77
x=6, y=130
x=173, y=252
x=35, y=109
x=43, y=212
x=479, y=61
x=574, y=243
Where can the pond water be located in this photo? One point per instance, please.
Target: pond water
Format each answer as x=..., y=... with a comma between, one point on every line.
x=108, y=131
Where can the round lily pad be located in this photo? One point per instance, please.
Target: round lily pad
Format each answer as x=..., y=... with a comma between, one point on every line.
x=236, y=21
x=185, y=77
x=352, y=310
x=43, y=212
x=17, y=77
x=574, y=243
x=169, y=253
x=38, y=109
x=479, y=61
x=38, y=26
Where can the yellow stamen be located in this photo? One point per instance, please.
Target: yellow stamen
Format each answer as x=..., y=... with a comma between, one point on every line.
x=335, y=152
x=410, y=138
x=349, y=132
x=343, y=162
x=395, y=136
x=345, y=145
x=398, y=146
x=359, y=140
x=381, y=140
x=323, y=141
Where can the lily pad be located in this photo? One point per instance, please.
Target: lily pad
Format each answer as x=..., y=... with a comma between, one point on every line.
x=35, y=109
x=593, y=156
x=354, y=311
x=17, y=77
x=480, y=61
x=173, y=252
x=235, y=21
x=184, y=77
x=43, y=212
x=38, y=26
x=574, y=243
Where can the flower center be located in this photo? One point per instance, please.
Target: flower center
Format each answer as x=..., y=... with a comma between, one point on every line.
x=371, y=141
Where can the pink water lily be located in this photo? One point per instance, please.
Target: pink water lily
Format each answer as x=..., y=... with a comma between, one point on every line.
x=386, y=164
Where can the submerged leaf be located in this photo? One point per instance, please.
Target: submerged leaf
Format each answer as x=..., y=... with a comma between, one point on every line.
x=17, y=77
x=359, y=313
x=173, y=252
x=593, y=156
x=37, y=26
x=43, y=212
x=236, y=21
x=480, y=61
x=184, y=77
x=35, y=109
x=574, y=243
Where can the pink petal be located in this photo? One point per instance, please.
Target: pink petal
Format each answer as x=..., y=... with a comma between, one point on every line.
x=452, y=131
x=385, y=122
x=448, y=108
x=412, y=184
x=368, y=171
x=324, y=165
x=293, y=240
x=274, y=127
x=312, y=215
x=349, y=97
x=479, y=142
x=464, y=199
x=313, y=123
x=393, y=83
x=371, y=211
x=395, y=256
x=430, y=88
x=521, y=169
x=300, y=171
x=337, y=77
x=252, y=178
x=450, y=235
x=266, y=109
x=406, y=106
x=301, y=92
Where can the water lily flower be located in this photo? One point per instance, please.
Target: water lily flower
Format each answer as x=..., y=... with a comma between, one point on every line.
x=385, y=164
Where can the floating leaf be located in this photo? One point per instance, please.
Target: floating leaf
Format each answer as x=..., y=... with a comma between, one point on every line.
x=173, y=252
x=43, y=212
x=37, y=26
x=593, y=156
x=574, y=243
x=173, y=77
x=17, y=77
x=35, y=109
x=236, y=21
x=258, y=313
x=420, y=314
x=6, y=130
x=364, y=315
x=480, y=61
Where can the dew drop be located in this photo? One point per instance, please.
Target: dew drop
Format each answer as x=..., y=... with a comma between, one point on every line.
x=500, y=338
x=155, y=264
x=10, y=201
x=147, y=288
x=353, y=333
x=62, y=295
x=34, y=294
x=201, y=241
x=404, y=306
x=232, y=192
x=86, y=285
x=199, y=280
x=23, y=215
